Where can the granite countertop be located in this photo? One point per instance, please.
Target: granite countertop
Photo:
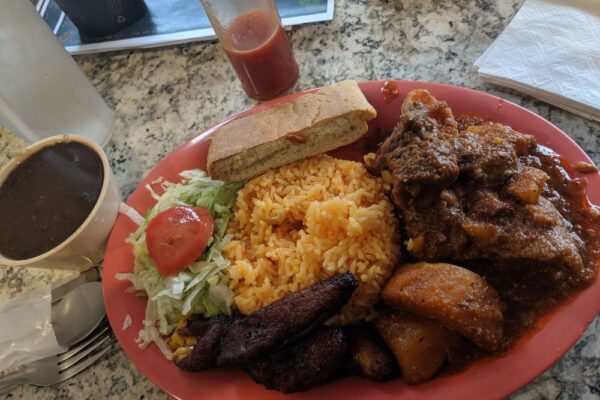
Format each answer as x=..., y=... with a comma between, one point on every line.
x=165, y=96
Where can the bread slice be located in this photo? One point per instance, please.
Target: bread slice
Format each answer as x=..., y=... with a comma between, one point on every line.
x=309, y=125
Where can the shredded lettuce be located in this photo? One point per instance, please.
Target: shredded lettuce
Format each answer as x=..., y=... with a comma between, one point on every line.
x=202, y=287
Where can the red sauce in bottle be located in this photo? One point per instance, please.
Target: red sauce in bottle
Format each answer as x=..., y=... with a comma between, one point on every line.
x=260, y=53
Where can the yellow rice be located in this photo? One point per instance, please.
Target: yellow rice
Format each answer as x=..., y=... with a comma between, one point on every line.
x=304, y=222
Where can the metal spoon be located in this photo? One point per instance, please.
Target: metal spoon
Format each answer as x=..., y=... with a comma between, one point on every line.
x=78, y=313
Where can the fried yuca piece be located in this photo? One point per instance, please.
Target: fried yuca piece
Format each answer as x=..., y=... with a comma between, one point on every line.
x=419, y=345
x=457, y=298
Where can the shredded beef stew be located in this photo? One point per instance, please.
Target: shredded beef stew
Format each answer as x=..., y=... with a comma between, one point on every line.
x=486, y=197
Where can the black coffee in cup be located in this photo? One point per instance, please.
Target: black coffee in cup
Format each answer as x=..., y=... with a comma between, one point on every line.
x=102, y=17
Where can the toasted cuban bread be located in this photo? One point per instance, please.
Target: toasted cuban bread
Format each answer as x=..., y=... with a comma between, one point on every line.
x=311, y=124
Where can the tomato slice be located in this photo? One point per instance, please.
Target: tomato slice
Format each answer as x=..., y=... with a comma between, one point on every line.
x=178, y=236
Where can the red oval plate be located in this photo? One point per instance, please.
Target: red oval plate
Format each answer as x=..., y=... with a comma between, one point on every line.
x=492, y=377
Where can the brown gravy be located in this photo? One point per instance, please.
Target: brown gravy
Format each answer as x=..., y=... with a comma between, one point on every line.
x=47, y=197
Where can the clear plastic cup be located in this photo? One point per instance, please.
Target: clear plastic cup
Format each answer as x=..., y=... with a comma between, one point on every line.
x=42, y=90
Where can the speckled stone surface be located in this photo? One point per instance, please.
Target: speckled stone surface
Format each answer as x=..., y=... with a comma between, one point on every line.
x=165, y=96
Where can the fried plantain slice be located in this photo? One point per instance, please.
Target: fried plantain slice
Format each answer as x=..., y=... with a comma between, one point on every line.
x=196, y=344
x=368, y=356
x=302, y=365
x=285, y=320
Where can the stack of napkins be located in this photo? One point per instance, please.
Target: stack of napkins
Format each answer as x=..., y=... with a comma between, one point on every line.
x=551, y=51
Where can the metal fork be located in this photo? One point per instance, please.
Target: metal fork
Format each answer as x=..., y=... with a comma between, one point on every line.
x=55, y=369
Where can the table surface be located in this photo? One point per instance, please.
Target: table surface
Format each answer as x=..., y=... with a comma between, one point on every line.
x=165, y=96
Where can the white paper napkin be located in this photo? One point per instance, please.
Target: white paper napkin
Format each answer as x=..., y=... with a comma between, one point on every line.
x=26, y=332
x=551, y=51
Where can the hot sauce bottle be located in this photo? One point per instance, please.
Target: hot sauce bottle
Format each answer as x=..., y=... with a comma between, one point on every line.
x=255, y=42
